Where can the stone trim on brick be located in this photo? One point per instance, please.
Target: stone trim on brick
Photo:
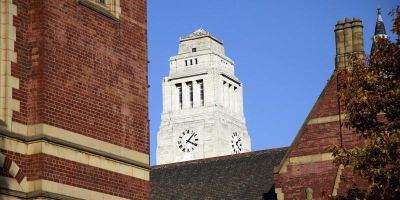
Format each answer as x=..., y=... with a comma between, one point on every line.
x=299, y=160
x=281, y=168
x=337, y=180
x=71, y=155
x=30, y=133
x=7, y=56
x=81, y=176
x=19, y=181
x=111, y=9
x=11, y=184
x=328, y=119
x=50, y=189
x=279, y=194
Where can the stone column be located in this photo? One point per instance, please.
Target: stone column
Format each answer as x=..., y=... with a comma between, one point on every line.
x=167, y=96
x=186, y=95
x=240, y=93
x=235, y=99
x=226, y=95
x=221, y=92
x=196, y=94
x=230, y=96
x=175, y=97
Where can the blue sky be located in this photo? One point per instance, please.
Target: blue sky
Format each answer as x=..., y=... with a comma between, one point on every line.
x=283, y=51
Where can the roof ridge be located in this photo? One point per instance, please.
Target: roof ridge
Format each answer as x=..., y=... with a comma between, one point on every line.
x=225, y=157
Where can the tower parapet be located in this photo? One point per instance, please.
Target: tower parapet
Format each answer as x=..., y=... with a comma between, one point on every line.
x=200, y=51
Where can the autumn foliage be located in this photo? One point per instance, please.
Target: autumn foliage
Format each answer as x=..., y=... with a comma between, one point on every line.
x=369, y=92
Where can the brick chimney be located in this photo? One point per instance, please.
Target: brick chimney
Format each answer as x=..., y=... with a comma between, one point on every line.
x=349, y=40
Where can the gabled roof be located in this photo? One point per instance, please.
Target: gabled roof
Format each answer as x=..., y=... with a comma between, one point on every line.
x=241, y=176
x=300, y=133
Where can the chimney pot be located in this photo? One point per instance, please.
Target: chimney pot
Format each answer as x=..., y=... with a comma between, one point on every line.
x=339, y=26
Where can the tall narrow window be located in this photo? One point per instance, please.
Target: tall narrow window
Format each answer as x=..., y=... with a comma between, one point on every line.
x=195, y=61
x=185, y=62
x=201, y=86
x=191, y=62
x=179, y=87
x=190, y=87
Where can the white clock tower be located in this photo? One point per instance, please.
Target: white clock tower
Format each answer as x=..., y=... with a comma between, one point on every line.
x=202, y=103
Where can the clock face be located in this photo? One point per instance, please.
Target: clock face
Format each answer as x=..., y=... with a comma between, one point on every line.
x=236, y=142
x=188, y=141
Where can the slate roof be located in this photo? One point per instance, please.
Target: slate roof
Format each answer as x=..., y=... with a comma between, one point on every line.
x=242, y=176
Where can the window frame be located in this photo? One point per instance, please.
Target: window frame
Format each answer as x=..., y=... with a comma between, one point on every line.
x=111, y=8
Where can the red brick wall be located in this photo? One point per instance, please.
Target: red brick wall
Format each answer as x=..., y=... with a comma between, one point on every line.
x=46, y=167
x=327, y=104
x=316, y=139
x=83, y=71
x=319, y=176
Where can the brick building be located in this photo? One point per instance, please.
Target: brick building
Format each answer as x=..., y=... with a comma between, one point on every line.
x=307, y=170
x=73, y=100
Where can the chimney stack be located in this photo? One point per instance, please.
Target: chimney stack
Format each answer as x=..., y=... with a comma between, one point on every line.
x=349, y=41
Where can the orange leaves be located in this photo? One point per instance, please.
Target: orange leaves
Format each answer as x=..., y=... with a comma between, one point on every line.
x=369, y=91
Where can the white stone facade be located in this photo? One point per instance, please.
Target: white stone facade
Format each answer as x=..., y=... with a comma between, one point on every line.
x=203, y=99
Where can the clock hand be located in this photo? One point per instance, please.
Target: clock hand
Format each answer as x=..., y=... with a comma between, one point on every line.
x=191, y=142
x=190, y=138
x=238, y=141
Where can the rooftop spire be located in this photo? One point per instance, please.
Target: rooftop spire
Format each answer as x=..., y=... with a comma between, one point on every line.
x=380, y=31
x=379, y=15
x=379, y=26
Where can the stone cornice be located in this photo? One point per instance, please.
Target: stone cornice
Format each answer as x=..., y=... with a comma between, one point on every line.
x=43, y=137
